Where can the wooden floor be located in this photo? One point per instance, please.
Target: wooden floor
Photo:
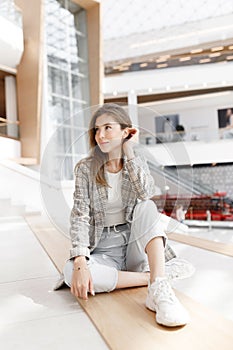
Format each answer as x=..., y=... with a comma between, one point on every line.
x=217, y=247
x=123, y=320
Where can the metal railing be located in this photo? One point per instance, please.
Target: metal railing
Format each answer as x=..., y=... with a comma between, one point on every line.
x=181, y=180
x=9, y=128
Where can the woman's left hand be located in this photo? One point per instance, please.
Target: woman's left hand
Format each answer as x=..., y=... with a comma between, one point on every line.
x=130, y=141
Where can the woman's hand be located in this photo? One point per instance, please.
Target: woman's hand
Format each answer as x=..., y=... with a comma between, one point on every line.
x=130, y=141
x=81, y=282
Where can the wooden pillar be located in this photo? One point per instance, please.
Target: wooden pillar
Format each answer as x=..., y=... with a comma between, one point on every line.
x=95, y=56
x=29, y=78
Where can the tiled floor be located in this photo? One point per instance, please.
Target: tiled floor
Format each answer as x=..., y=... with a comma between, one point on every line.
x=212, y=282
x=33, y=316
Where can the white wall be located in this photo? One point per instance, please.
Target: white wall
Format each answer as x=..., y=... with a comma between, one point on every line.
x=189, y=153
x=198, y=114
x=9, y=148
x=170, y=79
x=11, y=43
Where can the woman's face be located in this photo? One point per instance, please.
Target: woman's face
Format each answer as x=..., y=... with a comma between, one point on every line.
x=108, y=134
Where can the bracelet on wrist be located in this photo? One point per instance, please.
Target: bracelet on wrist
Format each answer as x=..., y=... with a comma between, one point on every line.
x=78, y=268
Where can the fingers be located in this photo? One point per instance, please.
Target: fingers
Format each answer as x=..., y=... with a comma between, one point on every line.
x=80, y=287
x=91, y=287
x=79, y=291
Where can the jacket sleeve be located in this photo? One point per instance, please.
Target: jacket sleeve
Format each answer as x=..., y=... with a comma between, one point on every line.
x=140, y=177
x=80, y=214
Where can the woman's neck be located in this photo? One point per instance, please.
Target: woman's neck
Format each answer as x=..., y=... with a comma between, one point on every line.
x=114, y=165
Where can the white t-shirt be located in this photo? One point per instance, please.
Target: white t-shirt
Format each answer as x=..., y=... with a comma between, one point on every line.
x=115, y=213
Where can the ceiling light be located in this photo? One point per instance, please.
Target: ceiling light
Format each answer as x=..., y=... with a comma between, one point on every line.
x=217, y=48
x=229, y=58
x=126, y=63
x=205, y=60
x=162, y=65
x=215, y=54
x=196, y=50
x=123, y=68
x=114, y=93
x=230, y=47
x=144, y=64
x=162, y=58
x=183, y=59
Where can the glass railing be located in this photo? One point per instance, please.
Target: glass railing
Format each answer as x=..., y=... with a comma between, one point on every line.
x=9, y=128
x=11, y=12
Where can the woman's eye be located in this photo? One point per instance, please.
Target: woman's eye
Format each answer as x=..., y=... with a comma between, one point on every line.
x=108, y=127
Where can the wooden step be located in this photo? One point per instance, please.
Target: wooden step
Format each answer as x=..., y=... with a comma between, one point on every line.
x=123, y=320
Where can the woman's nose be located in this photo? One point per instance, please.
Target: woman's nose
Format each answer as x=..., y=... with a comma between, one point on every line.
x=101, y=134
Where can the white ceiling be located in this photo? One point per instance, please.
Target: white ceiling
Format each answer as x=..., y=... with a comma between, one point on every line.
x=137, y=27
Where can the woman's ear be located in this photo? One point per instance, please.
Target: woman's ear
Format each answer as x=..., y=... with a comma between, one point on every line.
x=125, y=133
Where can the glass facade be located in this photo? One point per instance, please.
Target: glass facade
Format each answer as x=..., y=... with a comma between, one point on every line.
x=67, y=81
x=11, y=12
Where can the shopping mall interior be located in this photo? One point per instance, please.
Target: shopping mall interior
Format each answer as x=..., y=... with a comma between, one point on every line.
x=170, y=65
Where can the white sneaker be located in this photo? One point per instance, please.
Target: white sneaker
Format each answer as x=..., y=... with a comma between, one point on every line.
x=162, y=300
x=177, y=268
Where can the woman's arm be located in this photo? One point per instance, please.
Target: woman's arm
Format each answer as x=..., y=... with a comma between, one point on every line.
x=139, y=173
x=140, y=177
x=80, y=214
x=81, y=282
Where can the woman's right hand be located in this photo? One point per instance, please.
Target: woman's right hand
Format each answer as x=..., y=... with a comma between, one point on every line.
x=81, y=282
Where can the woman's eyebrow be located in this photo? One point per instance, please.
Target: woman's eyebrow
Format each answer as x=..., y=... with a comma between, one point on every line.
x=110, y=123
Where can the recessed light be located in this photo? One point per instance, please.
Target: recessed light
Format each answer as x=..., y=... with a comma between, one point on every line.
x=183, y=59
x=162, y=65
x=229, y=58
x=162, y=58
x=215, y=54
x=123, y=68
x=196, y=50
x=230, y=47
x=217, y=48
x=144, y=64
x=205, y=60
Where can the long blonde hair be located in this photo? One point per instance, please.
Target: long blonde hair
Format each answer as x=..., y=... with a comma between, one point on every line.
x=99, y=158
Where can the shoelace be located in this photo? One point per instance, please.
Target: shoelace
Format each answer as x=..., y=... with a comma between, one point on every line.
x=163, y=292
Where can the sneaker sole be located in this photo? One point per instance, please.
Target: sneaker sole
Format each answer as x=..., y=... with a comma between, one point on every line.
x=151, y=307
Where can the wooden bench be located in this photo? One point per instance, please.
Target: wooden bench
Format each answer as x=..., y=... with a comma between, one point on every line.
x=122, y=318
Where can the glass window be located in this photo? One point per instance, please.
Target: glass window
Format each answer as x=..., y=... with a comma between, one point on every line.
x=68, y=85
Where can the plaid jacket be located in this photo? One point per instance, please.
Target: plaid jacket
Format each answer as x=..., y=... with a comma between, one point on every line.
x=90, y=198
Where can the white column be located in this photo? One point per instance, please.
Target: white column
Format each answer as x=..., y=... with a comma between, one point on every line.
x=11, y=105
x=133, y=108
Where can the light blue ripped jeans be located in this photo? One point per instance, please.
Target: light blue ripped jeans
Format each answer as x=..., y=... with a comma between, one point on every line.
x=122, y=248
